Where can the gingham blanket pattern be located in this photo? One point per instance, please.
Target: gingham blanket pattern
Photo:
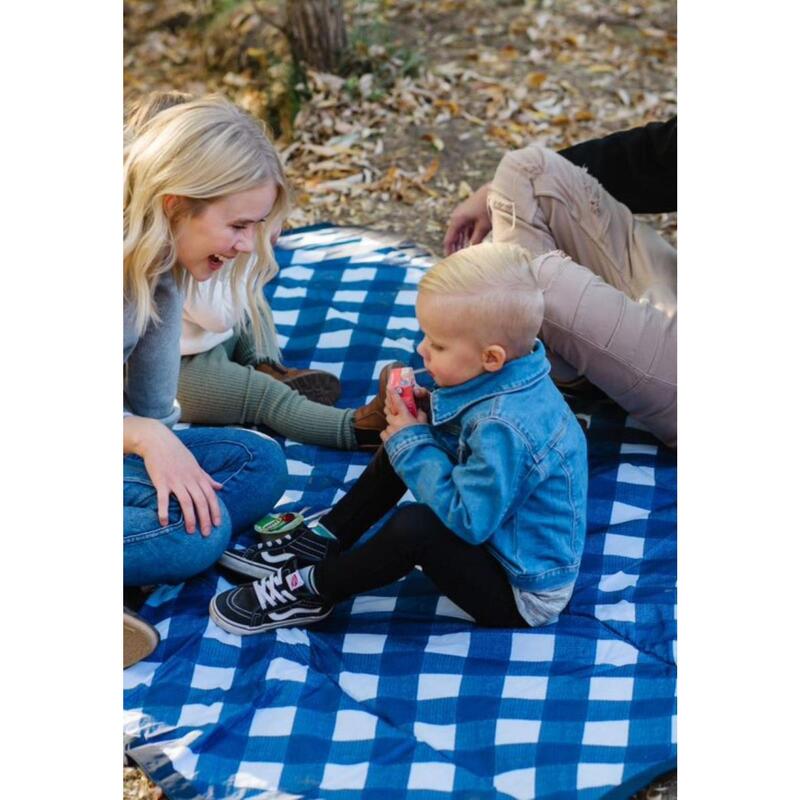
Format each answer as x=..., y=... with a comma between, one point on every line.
x=397, y=694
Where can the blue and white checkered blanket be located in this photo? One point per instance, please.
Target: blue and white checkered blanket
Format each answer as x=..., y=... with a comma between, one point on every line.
x=397, y=694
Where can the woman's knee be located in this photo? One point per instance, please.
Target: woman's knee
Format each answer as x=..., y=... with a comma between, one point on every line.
x=268, y=461
x=170, y=554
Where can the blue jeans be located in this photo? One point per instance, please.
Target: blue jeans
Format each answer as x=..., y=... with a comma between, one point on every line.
x=252, y=469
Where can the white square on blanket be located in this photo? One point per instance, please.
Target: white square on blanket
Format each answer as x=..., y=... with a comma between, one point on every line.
x=525, y=687
x=287, y=291
x=358, y=274
x=350, y=296
x=258, y=775
x=437, y=686
x=283, y=669
x=624, y=512
x=359, y=685
x=619, y=689
x=354, y=471
x=617, y=581
x=347, y=316
x=402, y=323
x=623, y=611
x=354, y=726
x=277, y=721
x=212, y=677
x=439, y=737
x=517, y=731
x=434, y=776
x=532, y=646
x=449, y=644
x=406, y=297
x=400, y=344
x=333, y=339
x=616, y=653
x=306, y=255
x=297, y=273
x=195, y=715
x=518, y=783
x=630, y=473
x=345, y=776
x=365, y=643
x=373, y=604
x=287, y=317
x=592, y=775
x=607, y=733
x=445, y=607
x=625, y=546
x=213, y=631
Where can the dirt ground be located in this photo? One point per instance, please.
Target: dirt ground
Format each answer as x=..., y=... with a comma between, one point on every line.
x=437, y=91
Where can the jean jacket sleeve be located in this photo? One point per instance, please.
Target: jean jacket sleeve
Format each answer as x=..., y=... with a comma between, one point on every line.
x=471, y=499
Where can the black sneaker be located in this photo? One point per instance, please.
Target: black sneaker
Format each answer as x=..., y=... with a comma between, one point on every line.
x=267, y=557
x=277, y=601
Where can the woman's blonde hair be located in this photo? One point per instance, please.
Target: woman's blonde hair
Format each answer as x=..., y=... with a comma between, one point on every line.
x=505, y=304
x=200, y=150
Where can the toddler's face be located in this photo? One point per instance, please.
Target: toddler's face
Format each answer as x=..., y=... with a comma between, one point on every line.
x=451, y=355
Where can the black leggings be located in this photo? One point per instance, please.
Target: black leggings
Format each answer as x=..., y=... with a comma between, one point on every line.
x=470, y=576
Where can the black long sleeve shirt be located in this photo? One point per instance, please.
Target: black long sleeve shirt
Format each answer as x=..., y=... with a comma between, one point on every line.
x=639, y=167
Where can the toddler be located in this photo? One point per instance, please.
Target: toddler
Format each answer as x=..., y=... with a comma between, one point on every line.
x=497, y=465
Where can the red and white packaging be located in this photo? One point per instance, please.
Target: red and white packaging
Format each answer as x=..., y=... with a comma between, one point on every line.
x=402, y=382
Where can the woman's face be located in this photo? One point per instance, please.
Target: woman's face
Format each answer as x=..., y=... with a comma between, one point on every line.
x=222, y=230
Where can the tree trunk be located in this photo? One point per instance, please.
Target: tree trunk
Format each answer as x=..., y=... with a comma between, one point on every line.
x=316, y=32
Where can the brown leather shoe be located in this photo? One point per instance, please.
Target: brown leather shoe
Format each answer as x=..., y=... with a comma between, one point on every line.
x=369, y=420
x=316, y=385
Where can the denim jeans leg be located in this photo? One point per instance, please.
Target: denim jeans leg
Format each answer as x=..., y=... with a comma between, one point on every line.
x=251, y=468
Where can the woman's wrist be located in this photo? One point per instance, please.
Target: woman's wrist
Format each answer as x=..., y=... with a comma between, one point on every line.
x=138, y=432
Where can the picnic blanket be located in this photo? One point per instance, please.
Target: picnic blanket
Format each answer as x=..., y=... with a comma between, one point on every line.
x=397, y=694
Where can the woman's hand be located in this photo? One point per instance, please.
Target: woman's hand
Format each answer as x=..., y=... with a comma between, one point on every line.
x=174, y=470
x=469, y=222
x=398, y=416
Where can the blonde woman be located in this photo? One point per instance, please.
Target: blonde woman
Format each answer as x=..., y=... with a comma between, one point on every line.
x=203, y=189
x=230, y=375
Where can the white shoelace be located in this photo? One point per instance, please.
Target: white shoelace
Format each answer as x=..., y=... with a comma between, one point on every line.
x=268, y=592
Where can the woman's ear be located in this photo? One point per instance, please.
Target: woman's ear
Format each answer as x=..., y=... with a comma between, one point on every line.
x=494, y=357
x=171, y=203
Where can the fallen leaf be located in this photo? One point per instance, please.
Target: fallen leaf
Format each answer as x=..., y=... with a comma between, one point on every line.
x=434, y=140
x=535, y=79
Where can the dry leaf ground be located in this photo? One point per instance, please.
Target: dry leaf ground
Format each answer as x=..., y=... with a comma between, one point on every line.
x=437, y=90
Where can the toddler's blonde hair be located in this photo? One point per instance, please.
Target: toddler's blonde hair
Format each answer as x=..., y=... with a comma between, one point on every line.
x=200, y=149
x=503, y=303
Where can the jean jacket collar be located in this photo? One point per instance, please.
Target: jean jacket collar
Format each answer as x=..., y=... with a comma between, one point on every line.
x=448, y=402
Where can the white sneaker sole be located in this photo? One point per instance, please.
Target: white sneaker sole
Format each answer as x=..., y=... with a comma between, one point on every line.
x=245, y=630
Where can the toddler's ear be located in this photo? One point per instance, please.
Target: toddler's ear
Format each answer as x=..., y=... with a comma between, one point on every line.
x=494, y=357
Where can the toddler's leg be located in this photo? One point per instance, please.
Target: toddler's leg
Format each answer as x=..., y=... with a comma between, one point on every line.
x=377, y=490
x=468, y=575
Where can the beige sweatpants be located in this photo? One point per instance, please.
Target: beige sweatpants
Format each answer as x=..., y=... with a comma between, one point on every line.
x=609, y=282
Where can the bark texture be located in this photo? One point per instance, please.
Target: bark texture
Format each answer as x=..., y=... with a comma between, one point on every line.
x=317, y=32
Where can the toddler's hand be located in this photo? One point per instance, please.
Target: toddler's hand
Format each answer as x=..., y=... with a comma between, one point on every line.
x=399, y=417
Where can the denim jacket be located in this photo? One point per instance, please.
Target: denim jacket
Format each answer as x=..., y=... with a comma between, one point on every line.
x=503, y=464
